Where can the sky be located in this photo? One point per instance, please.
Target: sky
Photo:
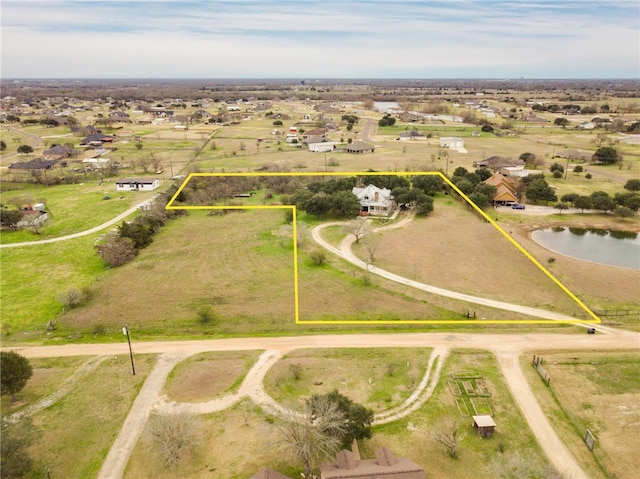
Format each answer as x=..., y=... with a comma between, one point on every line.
x=307, y=39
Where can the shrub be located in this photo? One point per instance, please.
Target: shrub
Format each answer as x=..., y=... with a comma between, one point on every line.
x=116, y=251
x=206, y=314
x=71, y=298
x=318, y=257
x=173, y=435
x=296, y=370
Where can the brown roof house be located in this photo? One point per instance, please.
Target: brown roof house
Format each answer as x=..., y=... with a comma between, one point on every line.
x=385, y=465
x=505, y=189
x=358, y=147
x=496, y=162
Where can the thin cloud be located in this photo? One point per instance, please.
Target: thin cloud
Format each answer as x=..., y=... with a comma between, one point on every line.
x=61, y=38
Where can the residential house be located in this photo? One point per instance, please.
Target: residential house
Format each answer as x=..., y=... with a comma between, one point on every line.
x=407, y=117
x=358, y=147
x=385, y=466
x=313, y=139
x=574, y=154
x=412, y=136
x=494, y=163
x=321, y=132
x=119, y=117
x=137, y=184
x=58, y=152
x=505, y=189
x=97, y=139
x=35, y=164
x=375, y=201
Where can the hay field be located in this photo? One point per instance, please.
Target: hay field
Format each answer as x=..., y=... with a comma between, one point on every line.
x=455, y=249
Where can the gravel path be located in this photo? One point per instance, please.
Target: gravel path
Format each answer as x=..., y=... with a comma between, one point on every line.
x=120, y=452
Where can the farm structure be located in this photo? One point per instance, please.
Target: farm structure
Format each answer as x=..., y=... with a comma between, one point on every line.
x=452, y=142
x=484, y=425
x=322, y=147
x=137, y=184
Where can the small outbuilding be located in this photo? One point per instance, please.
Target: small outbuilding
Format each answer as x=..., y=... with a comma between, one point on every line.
x=484, y=425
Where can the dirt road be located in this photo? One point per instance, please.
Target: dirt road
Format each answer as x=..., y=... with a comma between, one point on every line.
x=507, y=349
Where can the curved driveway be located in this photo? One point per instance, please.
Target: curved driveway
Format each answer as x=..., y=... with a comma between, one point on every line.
x=346, y=253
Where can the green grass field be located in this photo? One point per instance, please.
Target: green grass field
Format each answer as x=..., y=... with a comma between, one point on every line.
x=101, y=399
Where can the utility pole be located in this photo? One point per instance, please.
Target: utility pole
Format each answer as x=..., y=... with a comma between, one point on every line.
x=125, y=331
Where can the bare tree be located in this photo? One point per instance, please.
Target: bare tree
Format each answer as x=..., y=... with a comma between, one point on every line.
x=371, y=243
x=445, y=433
x=358, y=228
x=173, y=434
x=144, y=163
x=313, y=434
x=247, y=407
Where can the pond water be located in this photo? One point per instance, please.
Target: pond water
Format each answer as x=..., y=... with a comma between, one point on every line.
x=614, y=248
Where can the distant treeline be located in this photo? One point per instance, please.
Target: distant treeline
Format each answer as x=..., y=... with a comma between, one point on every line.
x=324, y=89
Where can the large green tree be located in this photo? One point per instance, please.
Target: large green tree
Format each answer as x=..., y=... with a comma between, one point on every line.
x=25, y=149
x=561, y=121
x=539, y=190
x=429, y=184
x=583, y=203
x=601, y=200
x=15, y=371
x=358, y=418
x=632, y=185
x=606, y=155
x=10, y=217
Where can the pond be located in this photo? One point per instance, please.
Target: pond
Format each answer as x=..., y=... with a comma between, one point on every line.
x=614, y=248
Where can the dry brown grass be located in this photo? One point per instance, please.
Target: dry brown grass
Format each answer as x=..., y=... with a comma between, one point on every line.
x=455, y=249
x=207, y=375
x=599, y=391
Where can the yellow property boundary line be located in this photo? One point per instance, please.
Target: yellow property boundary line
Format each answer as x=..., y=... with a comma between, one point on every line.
x=171, y=206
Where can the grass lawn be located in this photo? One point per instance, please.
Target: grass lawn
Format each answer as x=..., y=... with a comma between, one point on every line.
x=33, y=277
x=599, y=391
x=379, y=379
x=70, y=447
x=411, y=436
x=204, y=376
x=71, y=208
